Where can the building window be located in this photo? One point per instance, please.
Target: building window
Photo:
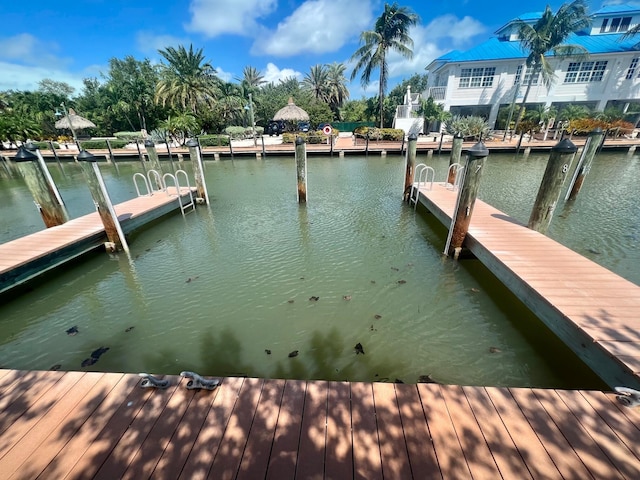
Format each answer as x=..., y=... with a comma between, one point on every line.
x=632, y=68
x=527, y=76
x=583, y=72
x=477, y=77
x=618, y=24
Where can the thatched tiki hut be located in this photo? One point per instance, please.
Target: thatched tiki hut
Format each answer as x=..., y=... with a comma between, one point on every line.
x=291, y=113
x=74, y=122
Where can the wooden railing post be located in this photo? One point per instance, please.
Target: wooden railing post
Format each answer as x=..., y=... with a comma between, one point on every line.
x=582, y=169
x=412, y=148
x=102, y=201
x=51, y=211
x=456, y=152
x=472, y=173
x=198, y=170
x=551, y=185
x=301, y=169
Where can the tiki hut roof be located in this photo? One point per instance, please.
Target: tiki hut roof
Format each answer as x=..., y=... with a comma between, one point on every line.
x=77, y=121
x=291, y=113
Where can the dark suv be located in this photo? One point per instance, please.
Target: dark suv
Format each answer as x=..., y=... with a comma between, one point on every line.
x=275, y=127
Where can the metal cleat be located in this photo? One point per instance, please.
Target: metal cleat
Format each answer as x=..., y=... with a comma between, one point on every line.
x=149, y=381
x=198, y=382
x=629, y=397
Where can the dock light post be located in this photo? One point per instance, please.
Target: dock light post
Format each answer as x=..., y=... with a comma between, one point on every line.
x=252, y=120
x=198, y=170
x=470, y=185
x=102, y=201
x=549, y=193
x=51, y=210
x=33, y=148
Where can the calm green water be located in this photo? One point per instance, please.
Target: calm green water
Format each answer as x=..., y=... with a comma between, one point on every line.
x=213, y=291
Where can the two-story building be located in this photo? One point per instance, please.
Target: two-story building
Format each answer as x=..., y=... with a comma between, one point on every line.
x=493, y=75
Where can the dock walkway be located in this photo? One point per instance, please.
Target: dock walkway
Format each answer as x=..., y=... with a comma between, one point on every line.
x=103, y=425
x=593, y=310
x=26, y=258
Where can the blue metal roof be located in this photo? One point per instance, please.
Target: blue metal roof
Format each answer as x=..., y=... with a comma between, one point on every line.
x=613, y=9
x=496, y=49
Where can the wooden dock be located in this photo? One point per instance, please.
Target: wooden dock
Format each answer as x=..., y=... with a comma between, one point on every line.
x=29, y=257
x=593, y=310
x=103, y=425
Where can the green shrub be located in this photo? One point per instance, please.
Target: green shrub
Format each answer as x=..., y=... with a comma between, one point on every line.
x=129, y=136
x=388, y=134
x=313, y=137
x=46, y=145
x=213, y=140
x=102, y=144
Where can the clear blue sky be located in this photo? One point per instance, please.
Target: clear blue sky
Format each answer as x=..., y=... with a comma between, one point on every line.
x=71, y=40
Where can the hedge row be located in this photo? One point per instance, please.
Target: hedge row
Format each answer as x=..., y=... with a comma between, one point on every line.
x=102, y=144
x=314, y=137
x=213, y=140
x=390, y=134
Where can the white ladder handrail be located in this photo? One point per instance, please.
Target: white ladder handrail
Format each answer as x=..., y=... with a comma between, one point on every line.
x=157, y=178
x=183, y=206
x=146, y=184
x=425, y=174
x=456, y=183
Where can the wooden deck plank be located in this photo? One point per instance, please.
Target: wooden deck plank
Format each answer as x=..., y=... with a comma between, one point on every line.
x=614, y=448
x=445, y=440
x=313, y=434
x=366, y=446
x=175, y=455
x=284, y=452
x=227, y=460
x=153, y=446
x=258, y=449
x=523, y=435
x=105, y=439
x=565, y=458
x=503, y=450
x=589, y=451
x=42, y=456
x=198, y=464
x=474, y=445
x=31, y=406
x=32, y=440
x=393, y=449
x=128, y=445
x=422, y=455
x=339, y=451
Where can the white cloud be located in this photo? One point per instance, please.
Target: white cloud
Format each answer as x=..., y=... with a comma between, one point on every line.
x=317, y=26
x=149, y=43
x=222, y=75
x=274, y=74
x=217, y=17
x=26, y=49
x=26, y=77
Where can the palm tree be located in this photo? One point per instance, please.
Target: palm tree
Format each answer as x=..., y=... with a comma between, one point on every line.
x=391, y=32
x=338, y=93
x=316, y=82
x=252, y=79
x=547, y=35
x=187, y=81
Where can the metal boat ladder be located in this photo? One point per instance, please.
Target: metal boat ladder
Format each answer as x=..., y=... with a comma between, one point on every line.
x=186, y=205
x=425, y=175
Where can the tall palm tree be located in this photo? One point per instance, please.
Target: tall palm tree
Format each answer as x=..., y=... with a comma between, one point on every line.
x=252, y=79
x=187, y=81
x=316, y=81
x=391, y=32
x=337, y=86
x=548, y=35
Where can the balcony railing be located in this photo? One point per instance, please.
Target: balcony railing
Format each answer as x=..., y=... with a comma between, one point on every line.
x=438, y=93
x=407, y=111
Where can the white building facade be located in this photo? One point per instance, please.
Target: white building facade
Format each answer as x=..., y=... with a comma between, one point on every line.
x=487, y=79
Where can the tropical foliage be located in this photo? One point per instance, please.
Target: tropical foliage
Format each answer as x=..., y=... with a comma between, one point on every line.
x=390, y=33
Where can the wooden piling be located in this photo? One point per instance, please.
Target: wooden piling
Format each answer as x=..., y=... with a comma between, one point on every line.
x=301, y=169
x=551, y=185
x=198, y=170
x=173, y=167
x=51, y=211
x=47, y=175
x=112, y=157
x=103, y=203
x=152, y=153
x=461, y=218
x=55, y=154
x=410, y=165
x=584, y=166
x=230, y=147
x=366, y=146
x=454, y=157
x=264, y=151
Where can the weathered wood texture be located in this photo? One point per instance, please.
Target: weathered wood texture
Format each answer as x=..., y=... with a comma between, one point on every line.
x=593, y=310
x=103, y=425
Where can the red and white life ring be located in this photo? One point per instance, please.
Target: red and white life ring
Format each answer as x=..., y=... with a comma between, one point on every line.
x=327, y=130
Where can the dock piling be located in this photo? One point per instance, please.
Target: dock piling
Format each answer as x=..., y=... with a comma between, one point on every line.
x=454, y=157
x=301, y=169
x=47, y=175
x=461, y=218
x=152, y=153
x=412, y=148
x=51, y=210
x=584, y=166
x=198, y=170
x=103, y=203
x=551, y=185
